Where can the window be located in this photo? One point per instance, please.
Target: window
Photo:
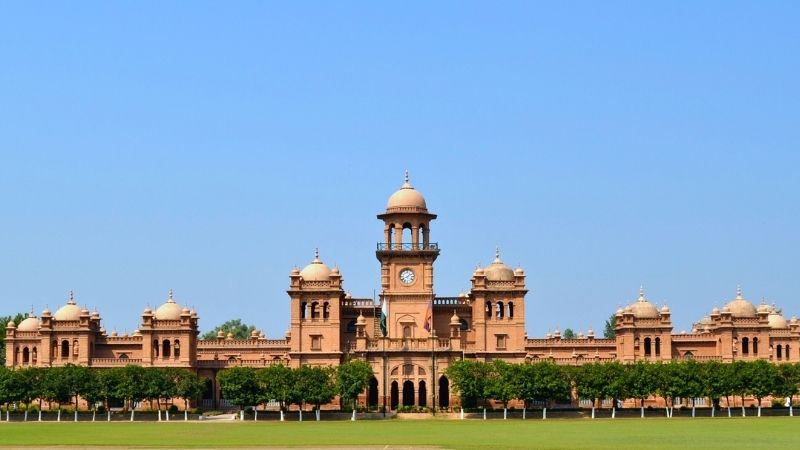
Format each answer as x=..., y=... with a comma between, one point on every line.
x=123, y=356
x=647, y=346
x=351, y=326
x=786, y=350
x=501, y=341
x=745, y=346
x=510, y=310
x=26, y=355
x=314, y=310
x=316, y=342
x=499, y=310
x=779, y=351
x=464, y=325
x=33, y=355
x=75, y=348
x=407, y=332
x=326, y=310
x=176, y=347
x=658, y=346
x=488, y=310
x=65, y=348
x=303, y=307
x=755, y=346
x=155, y=347
x=165, y=350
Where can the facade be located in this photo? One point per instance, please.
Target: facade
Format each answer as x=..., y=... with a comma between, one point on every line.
x=410, y=336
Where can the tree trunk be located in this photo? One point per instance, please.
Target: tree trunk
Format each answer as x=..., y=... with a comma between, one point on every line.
x=484, y=413
x=301, y=413
x=133, y=410
x=76, y=413
x=59, y=414
x=94, y=414
x=159, y=414
x=524, y=410
x=282, y=415
x=185, y=415
x=108, y=415
x=26, y=413
x=712, y=405
x=318, y=413
x=614, y=411
x=353, y=417
x=505, y=413
x=642, y=408
x=791, y=412
x=40, y=414
x=759, y=407
x=592, y=410
x=544, y=413
x=743, y=412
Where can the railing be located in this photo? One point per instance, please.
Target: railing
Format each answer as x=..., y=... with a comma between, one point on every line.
x=450, y=301
x=408, y=246
x=116, y=362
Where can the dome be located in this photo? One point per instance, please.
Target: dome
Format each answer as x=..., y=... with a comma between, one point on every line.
x=406, y=198
x=519, y=272
x=642, y=309
x=11, y=324
x=147, y=311
x=295, y=272
x=498, y=271
x=169, y=310
x=46, y=312
x=361, y=320
x=316, y=271
x=478, y=272
x=776, y=320
x=739, y=307
x=70, y=311
x=764, y=308
x=454, y=319
x=220, y=334
x=31, y=323
x=715, y=311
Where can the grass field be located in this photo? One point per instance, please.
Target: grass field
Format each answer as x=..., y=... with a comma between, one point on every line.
x=750, y=433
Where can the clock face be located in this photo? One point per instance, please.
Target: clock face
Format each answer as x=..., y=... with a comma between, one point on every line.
x=407, y=276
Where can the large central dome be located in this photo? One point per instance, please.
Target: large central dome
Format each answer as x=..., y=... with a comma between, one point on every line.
x=406, y=199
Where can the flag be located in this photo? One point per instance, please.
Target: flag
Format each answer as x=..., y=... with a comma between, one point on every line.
x=384, y=328
x=429, y=317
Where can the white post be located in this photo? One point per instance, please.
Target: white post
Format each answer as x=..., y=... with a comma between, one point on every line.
x=94, y=414
x=159, y=415
x=353, y=417
x=791, y=413
x=592, y=411
x=759, y=409
x=185, y=415
x=301, y=414
x=108, y=415
x=544, y=413
x=744, y=414
x=132, y=411
x=59, y=414
x=462, y=414
x=241, y=414
x=642, y=412
x=40, y=415
x=713, y=409
x=729, y=410
x=26, y=413
x=281, y=415
x=167, y=414
x=318, y=414
x=505, y=415
x=76, y=414
x=484, y=413
x=524, y=410
x=255, y=415
x=614, y=412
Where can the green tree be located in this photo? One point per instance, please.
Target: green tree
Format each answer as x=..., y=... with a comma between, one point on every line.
x=610, y=327
x=551, y=383
x=5, y=386
x=740, y=380
x=189, y=387
x=25, y=385
x=619, y=383
x=352, y=378
x=764, y=379
x=469, y=380
x=159, y=383
x=642, y=381
x=19, y=317
x=719, y=382
x=501, y=383
x=788, y=383
x=54, y=388
x=591, y=383
x=691, y=382
x=569, y=333
x=236, y=327
x=315, y=385
x=239, y=386
x=669, y=382
x=129, y=385
x=277, y=383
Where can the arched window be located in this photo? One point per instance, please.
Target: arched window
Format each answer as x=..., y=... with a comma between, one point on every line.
x=34, y=355
x=407, y=332
x=408, y=393
x=156, y=345
x=75, y=348
x=423, y=394
x=658, y=346
x=65, y=348
x=488, y=310
x=422, y=239
x=372, y=393
x=326, y=310
x=745, y=346
x=165, y=349
x=26, y=356
x=303, y=307
x=406, y=238
x=499, y=310
x=510, y=310
x=176, y=347
x=54, y=350
x=786, y=350
x=779, y=351
x=123, y=356
x=464, y=325
x=314, y=310
x=444, y=392
x=394, y=396
x=390, y=236
x=755, y=346
x=688, y=355
x=351, y=326
x=647, y=346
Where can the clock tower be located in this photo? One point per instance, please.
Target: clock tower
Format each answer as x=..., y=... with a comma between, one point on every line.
x=406, y=256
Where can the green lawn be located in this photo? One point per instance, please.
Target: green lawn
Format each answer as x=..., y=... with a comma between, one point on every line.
x=751, y=433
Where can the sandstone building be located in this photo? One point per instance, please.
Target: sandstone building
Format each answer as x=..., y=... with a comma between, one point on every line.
x=420, y=334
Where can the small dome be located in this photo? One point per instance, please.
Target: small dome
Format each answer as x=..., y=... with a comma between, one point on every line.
x=705, y=320
x=136, y=332
x=254, y=334
x=46, y=313
x=316, y=271
x=642, y=309
x=776, y=320
x=220, y=334
x=229, y=336
x=114, y=333
x=478, y=272
x=31, y=323
x=70, y=311
x=519, y=272
x=726, y=310
x=454, y=319
x=498, y=271
x=620, y=311
x=794, y=320
x=406, y=198
x=715, y=311
x=361, y=320
x=95, y=315
x=295, y=272
x=665, y=309
x=186, y=312
x=764, y=308
x=169, y=310
x=335, y=271
x=627, y=310
x=739, y=307
x=11, y=324
x=590, y=333
x=147, y=311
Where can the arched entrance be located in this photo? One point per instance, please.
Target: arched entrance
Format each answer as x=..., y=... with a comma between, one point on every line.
x=423, y=394
x=372, y=393
x=395, y=395
x=408, y=393
x=444, y=392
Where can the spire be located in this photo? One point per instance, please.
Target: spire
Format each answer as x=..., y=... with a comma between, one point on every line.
x=316, y=255
x=406, y=177
x=739, y=292
x=71, y=300
x=641, y=293
x=169, y=298
x=406, y=183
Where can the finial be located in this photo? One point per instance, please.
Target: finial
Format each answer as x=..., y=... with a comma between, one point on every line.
x=170, y=294
x=738, y=291
x=71, y=298
x=497, y=251
x=31, y=314
x=641, y=292
x=316, y=253
x=406, y=177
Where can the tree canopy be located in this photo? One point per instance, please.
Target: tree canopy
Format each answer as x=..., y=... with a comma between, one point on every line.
x=236, y=327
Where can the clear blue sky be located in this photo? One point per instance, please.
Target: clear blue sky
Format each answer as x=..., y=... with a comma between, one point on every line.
x=209, y=147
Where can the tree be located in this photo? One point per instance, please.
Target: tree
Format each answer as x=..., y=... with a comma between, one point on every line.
x=610, y=327
x=5, y=386
x=764, y=379
x=235, y=326
x=469, y=380
x=618, y=386
x=719, y=382
x=788, y=383
x=551, y=383
x=277, y=383
x=569, y=333
x=352, y=378
x=159, y=383
x=501, y=383
x=591, y=382
x=740, y=380
x=19, y=317
x=669, y=382
x=188, y=386
x=239, y=386
x=54, y=388
x=25, y=385
x=642, y=380
x=314, y=385
x=691, y=382
x=129, y=385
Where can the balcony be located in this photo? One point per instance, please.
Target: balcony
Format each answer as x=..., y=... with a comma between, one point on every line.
x=408, y=247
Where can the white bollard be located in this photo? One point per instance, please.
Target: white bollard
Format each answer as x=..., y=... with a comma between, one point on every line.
x=462, y=414
x=544, y=413
x=281, y=415
x=353, y=417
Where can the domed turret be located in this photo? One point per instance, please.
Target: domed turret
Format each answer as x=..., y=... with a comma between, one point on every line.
x=776, y=319
x=497, y=270
x=11, y=324
x=642, y=309
x=31, y=323
x=169, y=310
x=406, y=199
x=316, y=271
x=739, y=307
x=454, y=319
x=70, y=311
x=361, y=320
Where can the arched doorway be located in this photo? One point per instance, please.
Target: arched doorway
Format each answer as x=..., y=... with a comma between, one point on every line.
x=408, y=393
x=444, y=392
x=372, y=393
x=423, y=394
x=395, y=395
